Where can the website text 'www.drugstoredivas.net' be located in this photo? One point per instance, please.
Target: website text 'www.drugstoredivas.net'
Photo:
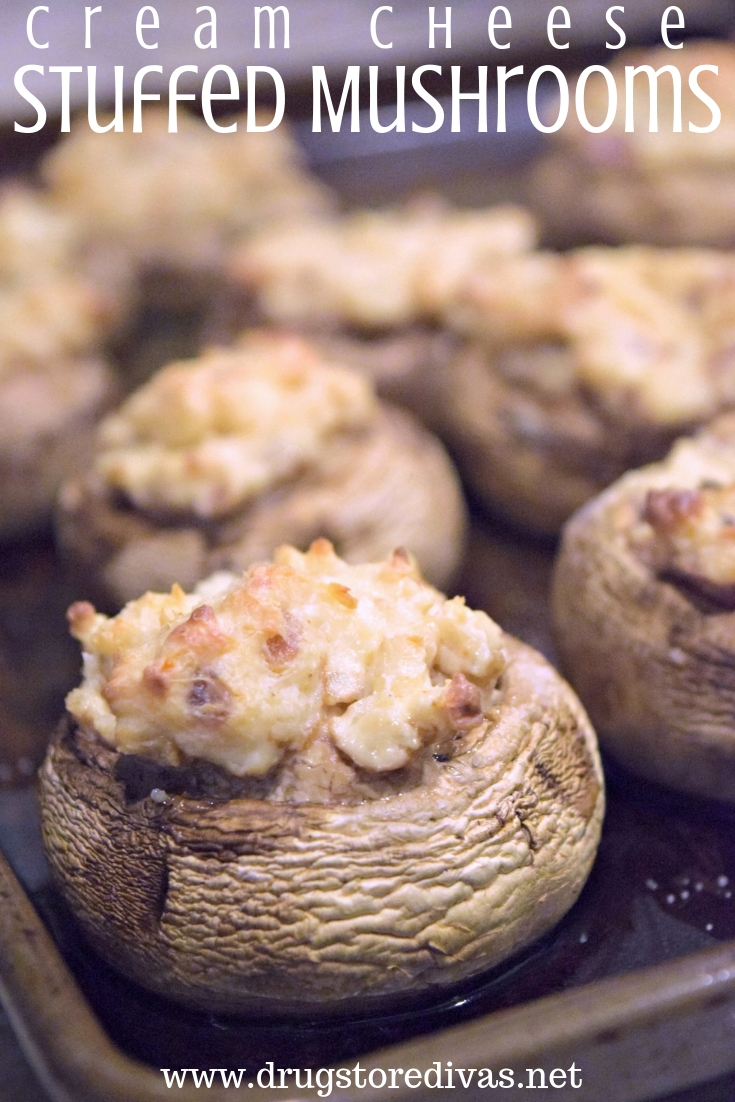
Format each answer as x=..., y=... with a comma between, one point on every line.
x=323, y=1081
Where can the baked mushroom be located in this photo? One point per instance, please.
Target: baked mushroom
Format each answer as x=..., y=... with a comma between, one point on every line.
x=315, y=788
x=372, y=285
x=644, y=613
x=53, y=384
x=169, y=206
x=578, y=367
x=216, y=462
x=661, y=187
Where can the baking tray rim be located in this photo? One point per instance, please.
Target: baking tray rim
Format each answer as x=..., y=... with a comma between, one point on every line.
x=645, y=1024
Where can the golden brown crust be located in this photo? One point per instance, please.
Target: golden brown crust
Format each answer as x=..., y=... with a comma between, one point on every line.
x=648, y=646
x=251, y=669
x=389, y=486
x=372, y=287
x=375, y=270
x=205, y=437
x=245, y=905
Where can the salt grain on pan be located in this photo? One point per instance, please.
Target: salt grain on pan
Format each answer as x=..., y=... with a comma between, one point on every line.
x=699, y=886
x=722, y=881
x=684, y=895
x=159, y=796
x=583, y=938
x=709, y=927
x=670, y=898
x=651, y=885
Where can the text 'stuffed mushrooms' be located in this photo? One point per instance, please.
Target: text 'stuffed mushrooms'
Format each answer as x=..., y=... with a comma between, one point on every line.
x=215, y=462
x=644, y=611
x=315, y=788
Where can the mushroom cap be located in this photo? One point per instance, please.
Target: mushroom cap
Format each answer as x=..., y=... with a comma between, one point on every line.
x=407, y=366
x=237, y=904
x=655, y=669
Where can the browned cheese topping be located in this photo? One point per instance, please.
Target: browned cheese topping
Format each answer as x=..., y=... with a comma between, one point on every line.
x=204, y=437
x=650, y=331
x=249, y=669
x=376, y=268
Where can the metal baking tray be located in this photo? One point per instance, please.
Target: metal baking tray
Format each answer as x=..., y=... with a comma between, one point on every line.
x=636, y=986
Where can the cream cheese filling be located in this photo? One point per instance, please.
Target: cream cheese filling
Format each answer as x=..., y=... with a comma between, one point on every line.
x=245, y=670
x=377, y=268
x=692, y=533
x=206, y=436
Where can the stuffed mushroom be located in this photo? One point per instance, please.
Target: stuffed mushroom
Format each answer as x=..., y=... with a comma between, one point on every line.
x=54, y=385
x=640, y=184
x=178, y=200
x=215, y=462
x=578, y=367
x=644, y=613
x=315, y=788
x=373, y=285
x=157, y=213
